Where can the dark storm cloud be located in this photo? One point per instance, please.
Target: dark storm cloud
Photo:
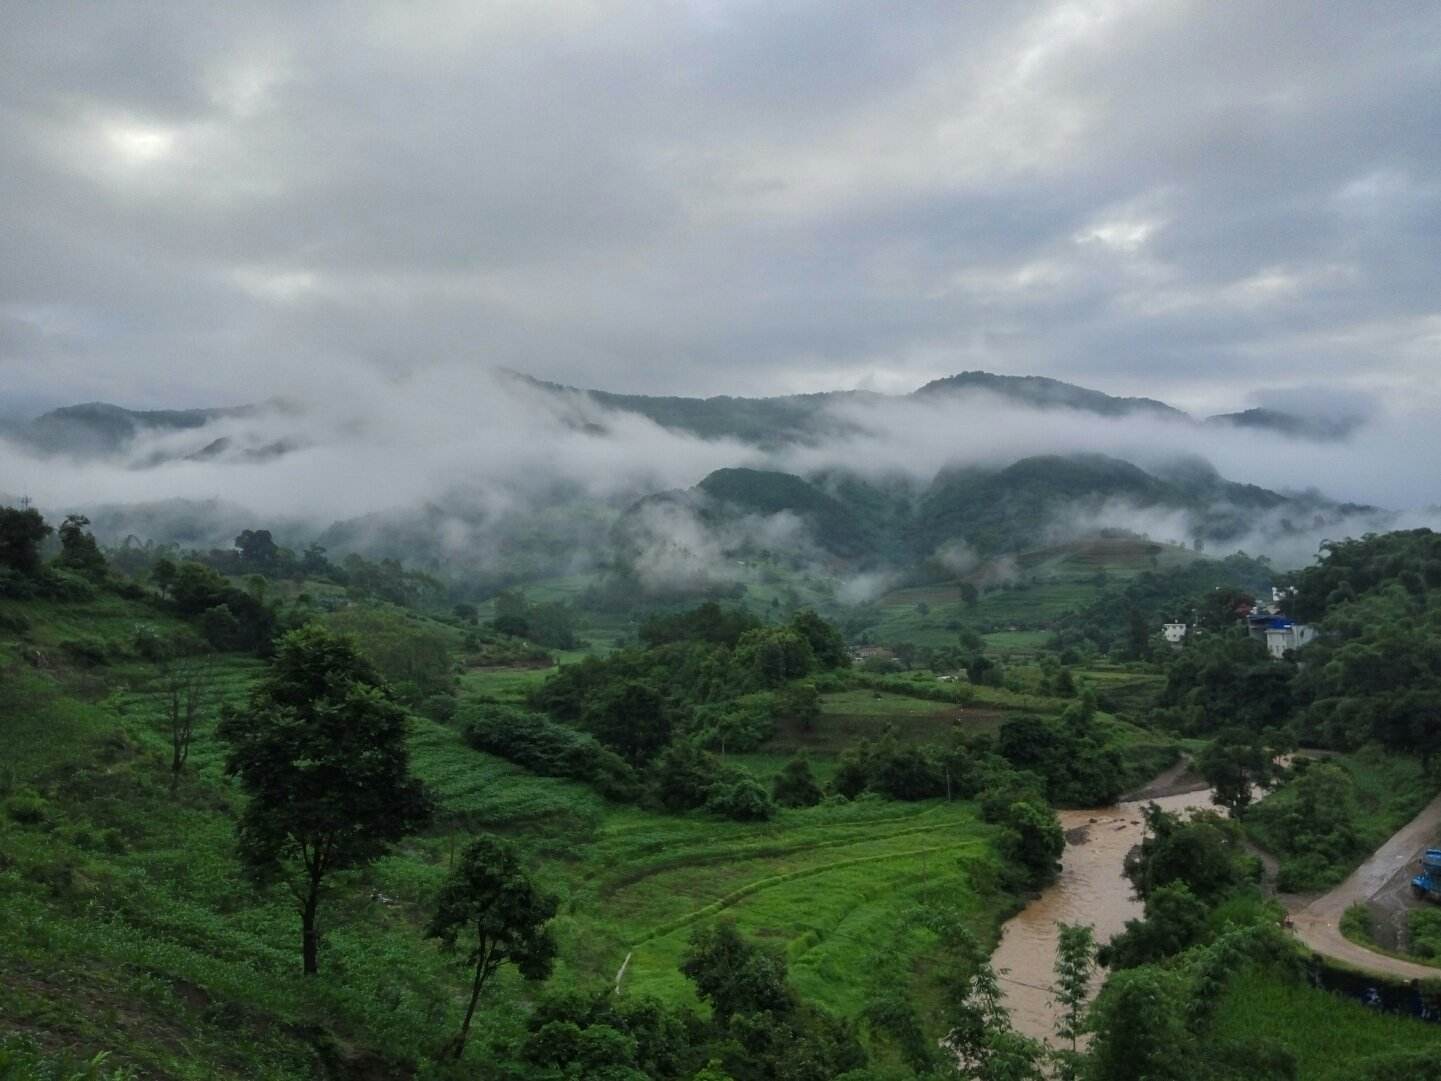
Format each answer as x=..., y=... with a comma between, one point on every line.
x=1186, y=200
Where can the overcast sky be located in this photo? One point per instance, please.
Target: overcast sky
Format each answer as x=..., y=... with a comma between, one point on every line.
x=1203, y=202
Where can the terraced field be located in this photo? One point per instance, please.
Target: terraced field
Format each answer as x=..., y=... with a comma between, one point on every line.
x=835, y=886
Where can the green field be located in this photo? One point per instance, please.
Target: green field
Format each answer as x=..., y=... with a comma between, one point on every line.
x=1021, y=597
x=127, y=926
x=1327, y=1033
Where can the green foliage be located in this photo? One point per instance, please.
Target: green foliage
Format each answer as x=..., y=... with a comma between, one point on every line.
x=1080, y=769
x=1423, y=932
x=79, y=553
x=631, y=719
x=770, y=657
x=230, y=618
x=1204, y=852
x=22, y=531
x=1233, y=764
x=1175, y=919
x=1158, y=597
x=1313, y=826
x=489, y=908
x=1033, y=841
x=734, y=976
x=22, y=1059
x=710, y=623
x=551, y=624
x=738, y=795
x=414, y=657
x=1140, y=1029
x=547, y=748
x=320, y=750
x=1075, y=966
x=795, y=785
x=1223, y=681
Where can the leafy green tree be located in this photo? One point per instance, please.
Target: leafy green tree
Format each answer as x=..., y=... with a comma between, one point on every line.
x=632, y=719
x=163, y=575
x=22, y=531
x=1175, y=919
x=1141, y=1035
x=257, y=549
x=980, y=1037
x=773, y=656
x=734, y=976
x=740, y=796
x=321, y=752
x=824, y=639
x=682, y=776
x=1034, y=841
x=490, y=904
x=78, y=550
x=801, y=703
x=795, y=785
x=970, y=595
x=1205, y=852
x=1075, y=965
x=1233, y=764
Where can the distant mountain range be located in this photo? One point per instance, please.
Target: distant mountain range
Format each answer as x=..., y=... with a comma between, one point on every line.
x=997, y=510
x=806, y=418
x=98, y=429
x=844, y=516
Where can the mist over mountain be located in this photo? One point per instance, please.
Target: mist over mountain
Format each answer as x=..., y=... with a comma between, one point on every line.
x=503, y=477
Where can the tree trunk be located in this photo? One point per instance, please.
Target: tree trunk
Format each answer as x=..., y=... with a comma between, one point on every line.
x=310, y=937
x=481, y=967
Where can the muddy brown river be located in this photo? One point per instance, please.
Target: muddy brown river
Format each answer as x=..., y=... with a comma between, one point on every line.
x=1091, y=890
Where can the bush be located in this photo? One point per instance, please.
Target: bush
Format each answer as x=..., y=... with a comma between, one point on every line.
x=795, y=785
x=740, y=797
x=440, y=708
x=550, y=749
x=27, y=809
x=1423, y=932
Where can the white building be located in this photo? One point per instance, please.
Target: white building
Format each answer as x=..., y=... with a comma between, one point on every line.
x=1291, y=636
x=1175, y=633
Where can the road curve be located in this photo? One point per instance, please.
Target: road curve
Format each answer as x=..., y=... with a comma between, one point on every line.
x=1318, y=924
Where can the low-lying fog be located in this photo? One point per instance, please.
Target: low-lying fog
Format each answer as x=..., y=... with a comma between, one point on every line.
x=488, y=446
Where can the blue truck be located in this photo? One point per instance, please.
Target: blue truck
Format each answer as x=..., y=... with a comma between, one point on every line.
x=1428, y=882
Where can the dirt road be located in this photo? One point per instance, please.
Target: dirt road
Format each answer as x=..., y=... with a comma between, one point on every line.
x=1384, y=877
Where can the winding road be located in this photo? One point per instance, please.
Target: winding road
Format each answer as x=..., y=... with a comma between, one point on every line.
x=1386, y=874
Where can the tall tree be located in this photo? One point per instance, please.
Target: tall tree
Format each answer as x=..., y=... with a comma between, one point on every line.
x=78, y=550
x=490, y=903
x=1075, y=965
x=1234, y=764
x=22, y=530
x=320, y=749
x=631, y=719
x=185, y=687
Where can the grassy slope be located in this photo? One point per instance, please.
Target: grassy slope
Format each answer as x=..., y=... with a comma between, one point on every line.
x=1026, y=596
x=126, y=924
x=1328, y=1034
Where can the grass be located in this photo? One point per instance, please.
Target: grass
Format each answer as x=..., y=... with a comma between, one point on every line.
x=126, y=925
x=1390, y=790
x=1329, y=1035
